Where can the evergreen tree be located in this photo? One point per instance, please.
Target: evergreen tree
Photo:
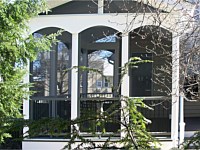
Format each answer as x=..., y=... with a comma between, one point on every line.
x=16, y=48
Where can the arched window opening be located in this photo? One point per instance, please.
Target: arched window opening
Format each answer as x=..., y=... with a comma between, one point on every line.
x=99, y=73
x=189, y=76
x=50, y=77
x=153, y=81
x=100, y=77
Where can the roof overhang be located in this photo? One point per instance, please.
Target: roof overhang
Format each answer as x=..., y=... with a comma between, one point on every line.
x=168, y=5
x=54, y=3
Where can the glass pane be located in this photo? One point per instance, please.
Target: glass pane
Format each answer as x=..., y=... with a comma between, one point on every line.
x=161, y=113
x=40, y=109
x=63, y=65
x=99, y=63
x=100, y=60
x=142, y=76
x=41, y=74
x=155, y=78
x=192, y=115
x=100, y=52
x=101, y=71
x=50, y=75
x=43, y=109
x=91, y=110
x=63, y=109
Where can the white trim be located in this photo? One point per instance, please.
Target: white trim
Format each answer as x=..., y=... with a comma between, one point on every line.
x=125, y=82
x=26, y=102
x=125, y=58
x=175, y=90
x=74, y=77
x=71, y=22
x=181, y=123
x=100, y=6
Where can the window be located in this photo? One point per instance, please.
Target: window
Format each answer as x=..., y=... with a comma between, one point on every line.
x=142, y=76
x=106, y=84
x=49, y=72
x=51, y=81
x=99, y=84
x=99, y=51
x=152, y=80
x=107, y=81
x=191, y=87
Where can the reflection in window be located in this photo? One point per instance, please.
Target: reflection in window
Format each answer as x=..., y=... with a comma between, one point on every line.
x=92, y=109
x=99, y=84
x=151, y=79
x=50, y=76
x=41, y=73
x=63, y=65
x=103, y=62
x=51, y=67
x=99, y=50
x=141, y=77
x=107, y=39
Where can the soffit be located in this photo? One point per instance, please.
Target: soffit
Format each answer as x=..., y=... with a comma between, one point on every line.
x=55, y=3
x=167, y=5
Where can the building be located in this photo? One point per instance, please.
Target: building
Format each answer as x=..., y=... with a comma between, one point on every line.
x=92, y=37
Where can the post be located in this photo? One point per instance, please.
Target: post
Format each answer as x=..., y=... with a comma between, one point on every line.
x=175, y=90
x=85, y=73
x=26, y=102
x=100, y=6
x=125, y=82
x=74, y=78
x=53, y=79
x=181, y=123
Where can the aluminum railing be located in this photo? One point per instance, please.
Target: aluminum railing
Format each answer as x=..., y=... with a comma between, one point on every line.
x=92, y=104
x=160, y=116
x=50, y=107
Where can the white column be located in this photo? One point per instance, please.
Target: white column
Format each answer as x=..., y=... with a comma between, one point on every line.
x=125, y=59
x=100, y=6
x=175, y=90
x=26, y=101
x=182, y=123
x=53, y=79
x=125, y=82
x=74, y=77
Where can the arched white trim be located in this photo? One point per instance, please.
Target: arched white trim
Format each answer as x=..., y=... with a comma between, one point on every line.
x=45, y=27
x=143, y=25
x=89, y=27
x=76, y=23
